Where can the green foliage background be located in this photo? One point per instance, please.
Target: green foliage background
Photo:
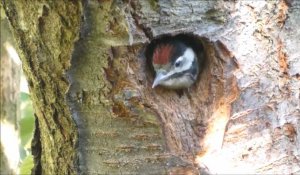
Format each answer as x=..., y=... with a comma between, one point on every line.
x=26, y=124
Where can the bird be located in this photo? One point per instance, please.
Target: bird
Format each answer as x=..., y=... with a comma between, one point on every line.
x=175, y=65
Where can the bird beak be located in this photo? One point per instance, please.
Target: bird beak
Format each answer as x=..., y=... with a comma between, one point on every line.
x=160, y=77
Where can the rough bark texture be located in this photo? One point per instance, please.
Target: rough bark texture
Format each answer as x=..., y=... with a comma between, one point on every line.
x=242, y=116
x=202, y=127
x=45, y=33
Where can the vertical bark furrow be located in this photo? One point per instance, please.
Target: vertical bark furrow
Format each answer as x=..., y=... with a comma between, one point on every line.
x=45, y=33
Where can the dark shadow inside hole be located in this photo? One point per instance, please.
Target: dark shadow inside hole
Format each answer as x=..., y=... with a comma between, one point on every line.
x=191, y=40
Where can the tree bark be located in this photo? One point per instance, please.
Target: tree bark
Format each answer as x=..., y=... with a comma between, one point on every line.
x=45, y=33
x=97, y=113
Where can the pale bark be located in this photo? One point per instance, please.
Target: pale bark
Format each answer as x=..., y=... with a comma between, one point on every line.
x=9, y=102
x=242, y=116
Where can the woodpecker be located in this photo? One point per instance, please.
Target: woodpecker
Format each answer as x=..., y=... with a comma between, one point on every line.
x=175, y=65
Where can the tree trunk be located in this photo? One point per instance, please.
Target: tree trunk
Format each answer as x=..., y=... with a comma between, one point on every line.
x=97, y=113
x=45, y=33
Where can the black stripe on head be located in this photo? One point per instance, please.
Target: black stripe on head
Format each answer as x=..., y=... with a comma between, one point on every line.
x=178, y=51
x=192, y=73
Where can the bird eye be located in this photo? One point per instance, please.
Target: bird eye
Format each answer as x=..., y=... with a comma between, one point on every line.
x=177, y=63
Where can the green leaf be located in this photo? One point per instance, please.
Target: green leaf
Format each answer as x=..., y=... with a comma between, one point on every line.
x=24, y=96
x=26, y=106
x=26, y=129
x=27, y=120
x=26, y=165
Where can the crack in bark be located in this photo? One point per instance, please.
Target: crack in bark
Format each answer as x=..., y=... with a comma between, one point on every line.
x=134, y=13
x=36, y=149
x=283, y=7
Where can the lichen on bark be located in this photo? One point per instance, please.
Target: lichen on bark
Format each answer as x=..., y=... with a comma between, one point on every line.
x=45, y=33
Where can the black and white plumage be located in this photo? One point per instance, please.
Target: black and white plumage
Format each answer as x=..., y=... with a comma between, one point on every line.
x=175, y=64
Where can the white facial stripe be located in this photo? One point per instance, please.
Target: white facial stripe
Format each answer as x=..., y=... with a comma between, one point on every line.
x=187, y=60
x=179, y=59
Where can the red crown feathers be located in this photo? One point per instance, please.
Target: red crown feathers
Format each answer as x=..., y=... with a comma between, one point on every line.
x=162, y=54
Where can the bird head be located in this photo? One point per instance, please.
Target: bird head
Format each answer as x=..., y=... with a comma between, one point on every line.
x=175, y=65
